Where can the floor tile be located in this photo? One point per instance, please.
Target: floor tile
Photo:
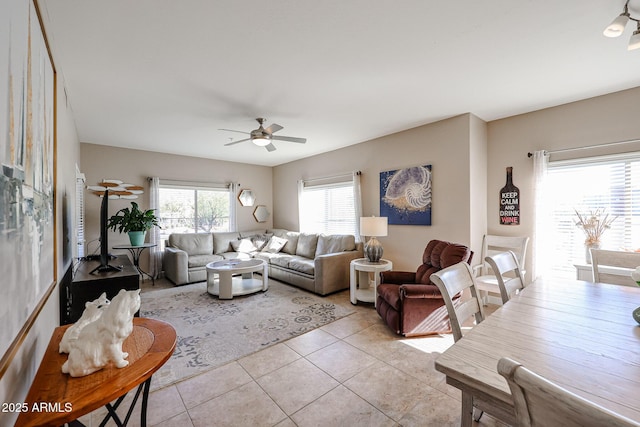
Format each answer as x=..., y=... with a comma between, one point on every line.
x=341, y=407
x=390, y=390
x=433, y=409
x=296, y=385
x=268, y=360
x=212, y=383
x=341, y=360
x=180, y=420
x=247, y=405
x=311, y=341
x=349, y=325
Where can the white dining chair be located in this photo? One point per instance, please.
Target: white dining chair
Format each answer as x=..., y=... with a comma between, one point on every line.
x=452, y=282
x=486, y=281
x=614, y=266
x=539, y=402
x=503, y=264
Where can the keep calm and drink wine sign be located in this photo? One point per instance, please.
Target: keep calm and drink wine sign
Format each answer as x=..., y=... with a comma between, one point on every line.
x=510, y=202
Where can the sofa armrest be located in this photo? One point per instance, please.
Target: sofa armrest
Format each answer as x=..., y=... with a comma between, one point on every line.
x=420, y=291
x=332, y=271
x=398, y=277
x=176, y=265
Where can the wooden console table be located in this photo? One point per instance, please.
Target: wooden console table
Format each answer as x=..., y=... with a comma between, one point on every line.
x=66, y=398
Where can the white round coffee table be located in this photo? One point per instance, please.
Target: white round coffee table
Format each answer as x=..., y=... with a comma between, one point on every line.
x=365, y=288
x=236, y=277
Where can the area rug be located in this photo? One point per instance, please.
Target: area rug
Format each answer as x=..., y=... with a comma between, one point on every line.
x=212, y=332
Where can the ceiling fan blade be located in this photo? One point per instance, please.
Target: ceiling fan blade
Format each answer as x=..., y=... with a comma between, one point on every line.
x=235, y=142
x=239, y=131
x=273, y=128
x=290, y=139
x=270, y=147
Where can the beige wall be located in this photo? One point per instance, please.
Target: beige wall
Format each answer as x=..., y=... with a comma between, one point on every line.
x=134, y=166
x=17, y=379
x=445, y=145
x=599, y=120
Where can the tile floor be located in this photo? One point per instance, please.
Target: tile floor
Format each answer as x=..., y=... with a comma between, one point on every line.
x=352, y=372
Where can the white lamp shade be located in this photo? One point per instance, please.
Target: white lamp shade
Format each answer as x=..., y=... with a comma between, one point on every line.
x=634, y=42
x=617, y=26
x=373, y=226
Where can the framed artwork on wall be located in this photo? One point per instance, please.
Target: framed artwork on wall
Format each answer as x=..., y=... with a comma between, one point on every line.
x=405, y=195
x=27, y=147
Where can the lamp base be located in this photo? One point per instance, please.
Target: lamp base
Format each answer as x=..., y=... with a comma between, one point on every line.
x=373, y=250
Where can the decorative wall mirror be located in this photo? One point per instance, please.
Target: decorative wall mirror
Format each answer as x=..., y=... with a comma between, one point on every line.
x=246, y=197
x=261, y=214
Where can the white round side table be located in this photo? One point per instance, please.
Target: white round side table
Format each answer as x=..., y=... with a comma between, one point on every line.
x=362, y=286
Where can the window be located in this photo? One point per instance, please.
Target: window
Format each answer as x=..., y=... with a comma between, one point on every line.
x=328, y=207
x=610, y=183
x=187, y=208
x=79, y=220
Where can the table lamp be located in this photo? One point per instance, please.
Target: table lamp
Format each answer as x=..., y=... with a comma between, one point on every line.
x=373, y=226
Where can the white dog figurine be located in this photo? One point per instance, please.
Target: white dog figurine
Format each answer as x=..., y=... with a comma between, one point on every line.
x=92, y=311
x=100, y=342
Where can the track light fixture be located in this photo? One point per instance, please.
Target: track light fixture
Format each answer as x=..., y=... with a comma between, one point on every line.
x=617, y=26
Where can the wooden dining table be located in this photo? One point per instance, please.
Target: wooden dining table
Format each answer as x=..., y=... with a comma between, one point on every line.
x=580, y=335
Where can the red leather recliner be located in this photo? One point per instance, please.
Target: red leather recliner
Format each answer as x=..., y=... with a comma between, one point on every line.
x=409, y=303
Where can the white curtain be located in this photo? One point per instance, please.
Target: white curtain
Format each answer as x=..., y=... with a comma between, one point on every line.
x=357, y=202
x=300, y=190
x=233, y=206
x=155, y=258
x=541, y=230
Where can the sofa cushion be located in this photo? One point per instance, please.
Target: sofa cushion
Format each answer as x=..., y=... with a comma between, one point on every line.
x=330, y=244
x=307, y=243
x=259, y=240
x=192, y=243
x=303, y=265
x=275, y=245
x=202, y=260
x=244, y=245
x=222, y=241
x=251, y=233
x=281, y=260
x=292, y=239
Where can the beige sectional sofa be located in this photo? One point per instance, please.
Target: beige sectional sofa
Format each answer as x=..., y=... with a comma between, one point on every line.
x=316, y=262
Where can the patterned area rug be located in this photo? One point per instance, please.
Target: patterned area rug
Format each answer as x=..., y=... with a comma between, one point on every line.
x=212, y=332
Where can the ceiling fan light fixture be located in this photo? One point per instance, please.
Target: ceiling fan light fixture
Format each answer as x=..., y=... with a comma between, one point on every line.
x=261, y=141
x=617, y=26
x=634, y=41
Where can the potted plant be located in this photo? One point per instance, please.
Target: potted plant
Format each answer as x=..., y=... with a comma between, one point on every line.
x=133, y=221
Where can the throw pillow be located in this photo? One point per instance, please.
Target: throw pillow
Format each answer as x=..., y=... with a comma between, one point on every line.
x=275, y=245
x=244, y=245
x=259, y=240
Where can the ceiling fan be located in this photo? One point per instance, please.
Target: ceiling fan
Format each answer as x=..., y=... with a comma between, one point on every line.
x=263, y=136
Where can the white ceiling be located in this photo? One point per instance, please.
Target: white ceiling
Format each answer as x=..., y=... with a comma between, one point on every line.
x=165, y=75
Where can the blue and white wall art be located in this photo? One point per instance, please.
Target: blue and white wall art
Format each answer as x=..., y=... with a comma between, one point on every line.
x=405, y=195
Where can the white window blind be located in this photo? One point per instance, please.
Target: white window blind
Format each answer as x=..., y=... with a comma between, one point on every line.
x=79, y=226
x=610, y=184
x=328, y=208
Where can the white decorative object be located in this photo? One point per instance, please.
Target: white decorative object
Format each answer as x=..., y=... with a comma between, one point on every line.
x=100, y=342
x=92, y=311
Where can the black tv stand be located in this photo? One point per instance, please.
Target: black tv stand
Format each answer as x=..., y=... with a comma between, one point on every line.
x=105, y=269
x=86, y=286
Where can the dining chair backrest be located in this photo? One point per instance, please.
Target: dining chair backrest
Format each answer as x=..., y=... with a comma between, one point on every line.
x=452, y=281
x=540, y=403
x=501, y=264
x=614, y=266
x=493, y=245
